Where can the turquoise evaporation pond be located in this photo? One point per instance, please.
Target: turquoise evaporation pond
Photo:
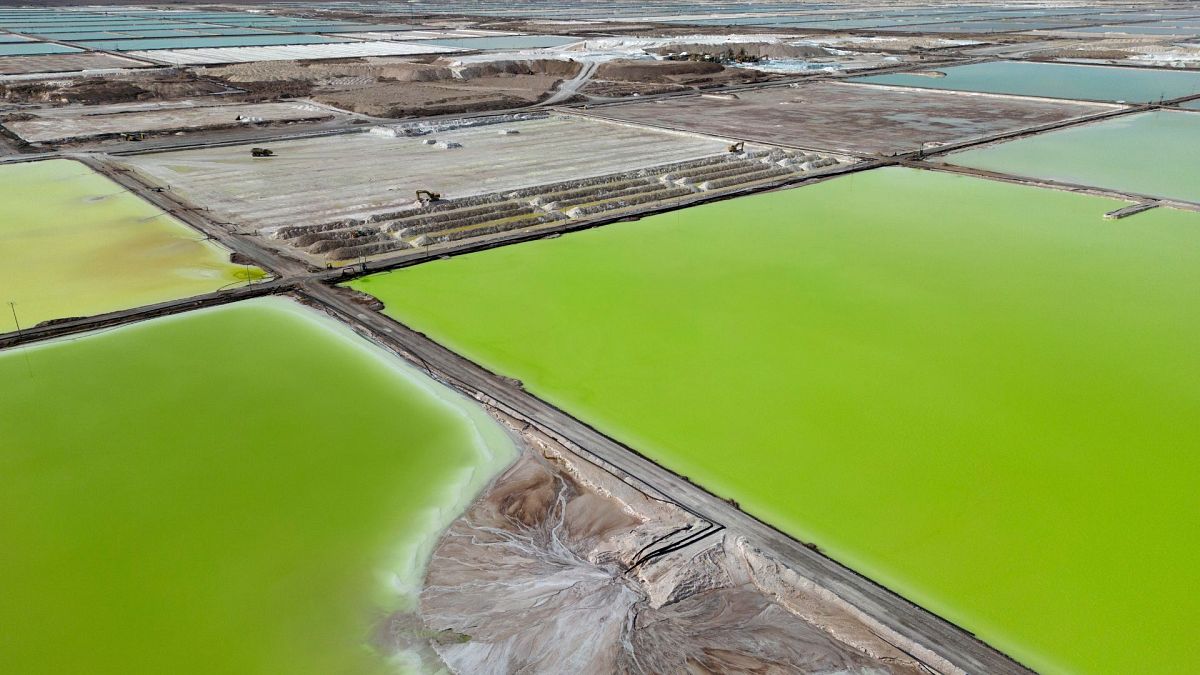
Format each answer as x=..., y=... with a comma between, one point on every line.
x=35, y=48
x=352, y=28
x=1191, y=105
x=506, y=42
x=982, y=395
x=980, y=27
x=178, y=33
x=72, y=37
x=1139, y=30
x=246, y=489
x=1153, y=153
x=105, y=26
x=1054, y=80
x=199, y=42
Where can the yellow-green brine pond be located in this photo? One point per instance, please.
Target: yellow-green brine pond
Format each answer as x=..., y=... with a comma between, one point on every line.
x=982, y=395
x=247, y=489
x=74, y=243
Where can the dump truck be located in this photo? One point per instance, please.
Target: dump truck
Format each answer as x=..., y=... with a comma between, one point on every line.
x=261, y=152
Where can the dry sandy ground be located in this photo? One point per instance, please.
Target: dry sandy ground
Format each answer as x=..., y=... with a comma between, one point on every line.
x=59, y=124
x=851, y=117
x=546, y=573
x=626, y=77
x=64, y=63
x=390, y=87
x=124, y=88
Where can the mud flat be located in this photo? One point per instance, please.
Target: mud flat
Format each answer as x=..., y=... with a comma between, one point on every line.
x=73, y=243
x=972, y=392
x=1054, y=80
x=1150, y=153
x=850, y=118
x=340, y=50
x=62, y=124
x=190, y=480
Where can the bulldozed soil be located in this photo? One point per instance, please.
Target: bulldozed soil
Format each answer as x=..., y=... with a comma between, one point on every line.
x=769, y=50
x=392, y=87
x=130, y=88
x=628, y=77
x=564, y=566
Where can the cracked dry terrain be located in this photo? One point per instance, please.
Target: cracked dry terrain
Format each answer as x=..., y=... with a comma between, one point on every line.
x=536, y=578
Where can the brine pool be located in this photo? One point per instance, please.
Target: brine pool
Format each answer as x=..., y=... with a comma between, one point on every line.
x=246, y=489
x=1151, y=153
x=979, y=394
x=73, y=243
x=1054, y=80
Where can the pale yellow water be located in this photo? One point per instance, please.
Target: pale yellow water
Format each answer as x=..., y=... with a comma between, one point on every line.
x=73, y=243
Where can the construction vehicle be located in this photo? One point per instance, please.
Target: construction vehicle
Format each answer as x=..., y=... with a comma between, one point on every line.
x=427, y=197
x=133, y=137
x=261, y=152
x=737, y=147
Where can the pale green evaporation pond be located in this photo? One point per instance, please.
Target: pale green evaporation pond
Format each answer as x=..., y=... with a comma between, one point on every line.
x=242, y=490
x=982, y=395
x=1054, y=80
x=1152, y=153
x=74, y=243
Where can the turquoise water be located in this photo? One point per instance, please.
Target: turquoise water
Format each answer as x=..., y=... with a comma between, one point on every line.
x=506, y=42
x=1191, y=105
x=1054, y=80
x=73, y=36
x=979, y=27
x=1152, y=153
x=30, y=49
x=1138, y=30
x=199, y=42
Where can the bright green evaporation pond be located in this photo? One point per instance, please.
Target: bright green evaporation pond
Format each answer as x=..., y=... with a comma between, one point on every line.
x=1055, y=80
x=982, y=395
x=73, y=243
x=239, y=490
x=1152, y=153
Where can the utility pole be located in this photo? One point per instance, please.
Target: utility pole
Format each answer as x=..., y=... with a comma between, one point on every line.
x=12, y=306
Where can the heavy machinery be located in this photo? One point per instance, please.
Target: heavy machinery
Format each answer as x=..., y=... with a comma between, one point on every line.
x=737, y=147
x=262, y=152
x=426, y=197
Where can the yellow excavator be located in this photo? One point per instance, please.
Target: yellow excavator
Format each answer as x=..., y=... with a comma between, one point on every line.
x=737, y=147
x=426, y=197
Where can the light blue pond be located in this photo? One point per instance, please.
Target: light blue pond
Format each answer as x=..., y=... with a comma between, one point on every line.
x=981, y=27
x=1054, y=80
x=1139, y=30
x=71, y=37
x=200, y=42
x=33, y=48
x=506, y=42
